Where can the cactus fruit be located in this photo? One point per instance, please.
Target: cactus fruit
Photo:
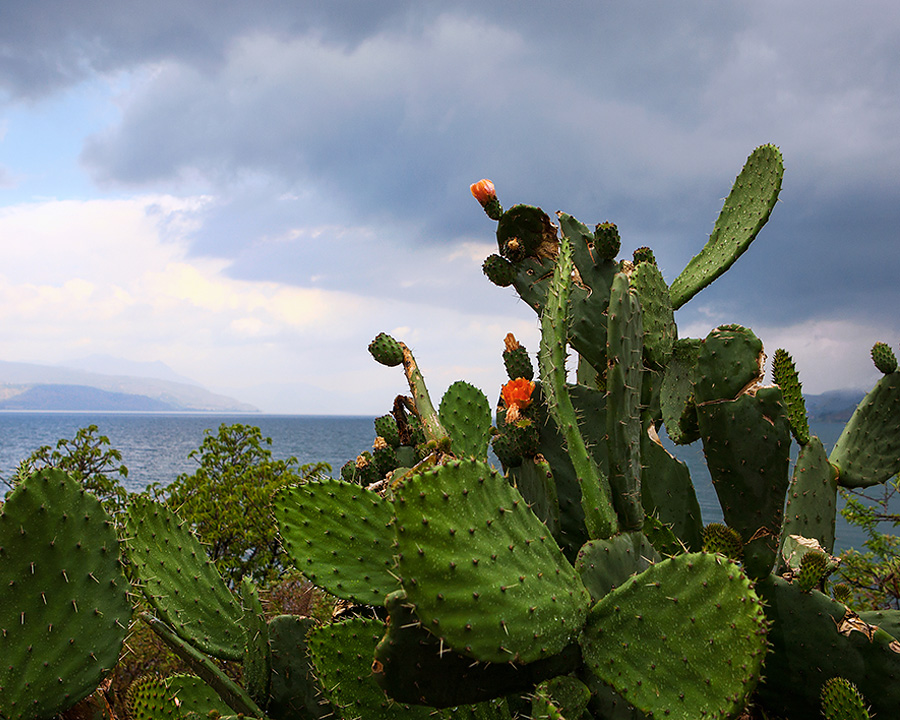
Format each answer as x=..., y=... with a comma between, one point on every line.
x=606, y=241
x=386, y=427
x=884, y=358
x=499, y=270
x=813, y=568
x=719, y=538
x=516, y=359
x=644, y=255
x=386, y=350
x=842, y=701
x=65, y=612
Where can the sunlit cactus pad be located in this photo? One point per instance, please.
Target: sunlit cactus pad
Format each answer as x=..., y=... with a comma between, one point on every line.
x=684, y=639
x=65, y=609
x=483, y=573
x=339, y=537
x=175, y=570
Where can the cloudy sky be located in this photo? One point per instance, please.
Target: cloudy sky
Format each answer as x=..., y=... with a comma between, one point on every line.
x=249, y=192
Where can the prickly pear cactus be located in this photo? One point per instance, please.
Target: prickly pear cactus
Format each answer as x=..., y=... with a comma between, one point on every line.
x=65, y=609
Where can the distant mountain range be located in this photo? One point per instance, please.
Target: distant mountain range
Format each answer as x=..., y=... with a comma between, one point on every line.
x=25, y=386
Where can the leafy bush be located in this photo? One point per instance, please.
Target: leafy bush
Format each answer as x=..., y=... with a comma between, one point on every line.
x=226, y=500
x=873, y=575
x=87, y=458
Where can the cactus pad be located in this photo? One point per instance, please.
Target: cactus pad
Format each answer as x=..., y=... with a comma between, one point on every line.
x=868, y=450
x=785, y=376
x=342, y=656
x=605, y=564
x=746, y=210
x=842, y=701
x=65, y=609
x=684, y=639
x=481, y=569
x=466, y=414
x=606, y=241
x=338, y=536
x=294, y=692
x=174, y=571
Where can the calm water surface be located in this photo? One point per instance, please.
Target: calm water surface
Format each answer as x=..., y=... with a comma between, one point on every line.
x=155, y=447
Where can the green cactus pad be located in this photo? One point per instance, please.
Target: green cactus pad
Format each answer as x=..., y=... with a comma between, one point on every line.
x=747, y=443
x=466, y=415
x=194, y=698
x=812, y=639
x=560, y=698
x=746, y=210
x=342, y=656
x=414, y=666
x=257, y=667
x=730, y=361
x=656, y=313
x=65, y=609
x=643, y=255
x=606, y=564
x=812, y=496
x=684, y=639
x=534, y=479
x=386, y=350
x=868, y=450
x=623, y=418
x=606, y=241
x=679, y=411
x=499, y=270
x=785, y=376
x=294, y=692
x=338, y=535
x=667, y=492
x=884, y=358
x=174, y=571
x=842, y=701
x=148, y=698
x=813, y=567
x=481, y=569
x=386, y=427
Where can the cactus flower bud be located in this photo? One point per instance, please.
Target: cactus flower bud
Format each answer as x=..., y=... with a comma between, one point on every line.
x=483, y=191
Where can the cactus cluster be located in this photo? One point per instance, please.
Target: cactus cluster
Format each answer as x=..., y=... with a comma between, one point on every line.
x=577, y=580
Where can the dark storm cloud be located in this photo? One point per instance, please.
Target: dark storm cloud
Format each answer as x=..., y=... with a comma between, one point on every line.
x=381, y=114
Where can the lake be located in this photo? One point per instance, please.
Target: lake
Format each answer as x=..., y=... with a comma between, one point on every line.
x=155, y=447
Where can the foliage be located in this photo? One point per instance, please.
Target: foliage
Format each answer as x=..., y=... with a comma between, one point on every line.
x=226, y=500
x=873, y=575
x=87, y=458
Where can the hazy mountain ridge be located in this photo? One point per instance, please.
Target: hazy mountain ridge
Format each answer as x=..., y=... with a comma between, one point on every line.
x=26, y=386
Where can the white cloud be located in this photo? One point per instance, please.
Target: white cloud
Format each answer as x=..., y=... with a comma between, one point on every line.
x=115, y=277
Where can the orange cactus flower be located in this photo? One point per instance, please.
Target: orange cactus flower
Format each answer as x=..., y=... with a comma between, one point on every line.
x=483, y=191
x=516, y=396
